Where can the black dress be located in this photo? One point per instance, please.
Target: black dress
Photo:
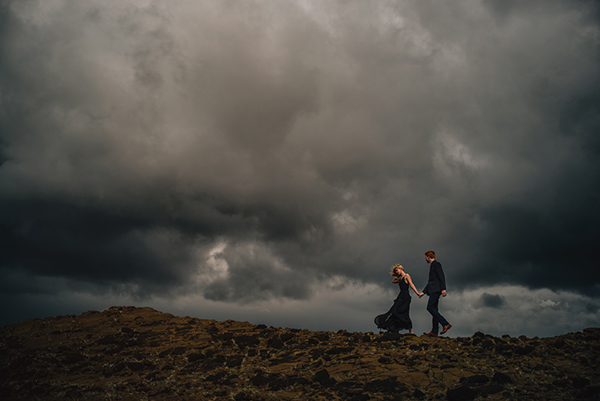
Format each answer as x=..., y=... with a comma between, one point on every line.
x=397, y=318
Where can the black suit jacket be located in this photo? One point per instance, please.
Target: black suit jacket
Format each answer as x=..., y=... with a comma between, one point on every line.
x=437, y=280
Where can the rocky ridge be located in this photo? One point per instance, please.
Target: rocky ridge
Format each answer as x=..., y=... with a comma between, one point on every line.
x=128, y=353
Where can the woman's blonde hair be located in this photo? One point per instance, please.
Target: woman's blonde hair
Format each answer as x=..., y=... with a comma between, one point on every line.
x=393, y=271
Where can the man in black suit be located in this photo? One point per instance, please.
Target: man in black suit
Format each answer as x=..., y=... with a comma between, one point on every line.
x=436, y=286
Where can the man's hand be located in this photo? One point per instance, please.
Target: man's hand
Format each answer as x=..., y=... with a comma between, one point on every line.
x=443, y=293
x=421, y=294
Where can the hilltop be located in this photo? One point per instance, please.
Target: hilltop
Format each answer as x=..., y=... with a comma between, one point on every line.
x=128, y=353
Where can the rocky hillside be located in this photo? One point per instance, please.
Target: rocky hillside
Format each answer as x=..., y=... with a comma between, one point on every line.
x=127, y=353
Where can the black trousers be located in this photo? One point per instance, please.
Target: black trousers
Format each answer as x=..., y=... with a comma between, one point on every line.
x=432, y=307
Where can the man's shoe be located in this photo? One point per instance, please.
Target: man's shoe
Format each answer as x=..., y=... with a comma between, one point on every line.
x=446, y=328
x=430, y=334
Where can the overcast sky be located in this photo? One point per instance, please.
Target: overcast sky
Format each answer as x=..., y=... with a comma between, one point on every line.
x=269, y=161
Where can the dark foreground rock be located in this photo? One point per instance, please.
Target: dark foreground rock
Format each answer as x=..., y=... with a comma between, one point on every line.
x=127, y=353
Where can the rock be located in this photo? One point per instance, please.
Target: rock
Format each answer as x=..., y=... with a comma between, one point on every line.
x=580, y=382
x=128, y=353
x=390, y=336
x=247, y=341
x=285, y=337
x=462, y=393
x=590, y=392
x=490, y=389
x=475, y=380
x=323, y=377
x=193, y=357
x=384, y=386
x=501, y=378
x=276, y=343
x=360, y=397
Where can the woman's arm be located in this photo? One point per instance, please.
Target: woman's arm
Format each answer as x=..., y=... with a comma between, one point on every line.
x=409, y=281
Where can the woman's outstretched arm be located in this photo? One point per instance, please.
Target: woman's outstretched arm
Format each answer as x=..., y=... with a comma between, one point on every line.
x=410, y=282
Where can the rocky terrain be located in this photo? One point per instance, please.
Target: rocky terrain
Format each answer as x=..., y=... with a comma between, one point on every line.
x=128, y=353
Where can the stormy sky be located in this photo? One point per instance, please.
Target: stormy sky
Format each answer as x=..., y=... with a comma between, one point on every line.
x=269, y=161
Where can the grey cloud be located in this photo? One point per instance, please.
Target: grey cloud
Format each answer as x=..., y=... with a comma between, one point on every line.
x=592, y=308
x=253, y=273
x=491, y=300
x=338, y=138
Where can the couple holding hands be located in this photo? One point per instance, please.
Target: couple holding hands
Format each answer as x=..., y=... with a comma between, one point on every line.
x=398, y=318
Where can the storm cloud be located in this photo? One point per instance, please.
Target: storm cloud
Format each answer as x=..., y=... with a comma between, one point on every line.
x=491, y=300
x=251, y=152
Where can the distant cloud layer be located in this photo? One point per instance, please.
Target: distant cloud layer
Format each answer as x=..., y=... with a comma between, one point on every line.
x=248, y=153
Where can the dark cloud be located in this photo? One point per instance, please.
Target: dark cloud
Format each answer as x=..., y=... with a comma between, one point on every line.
x=592, y=308
x=248, y=152
x=255, y=274
x=491, y=300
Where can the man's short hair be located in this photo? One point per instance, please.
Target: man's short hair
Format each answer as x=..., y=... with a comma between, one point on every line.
x=431, y=254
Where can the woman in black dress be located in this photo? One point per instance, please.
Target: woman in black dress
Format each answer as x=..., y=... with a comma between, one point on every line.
x=398, y=318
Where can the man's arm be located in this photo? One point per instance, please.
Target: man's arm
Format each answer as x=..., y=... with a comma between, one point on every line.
x=440, y=275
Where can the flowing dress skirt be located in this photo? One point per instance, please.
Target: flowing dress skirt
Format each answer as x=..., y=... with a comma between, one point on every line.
x=398, y=317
